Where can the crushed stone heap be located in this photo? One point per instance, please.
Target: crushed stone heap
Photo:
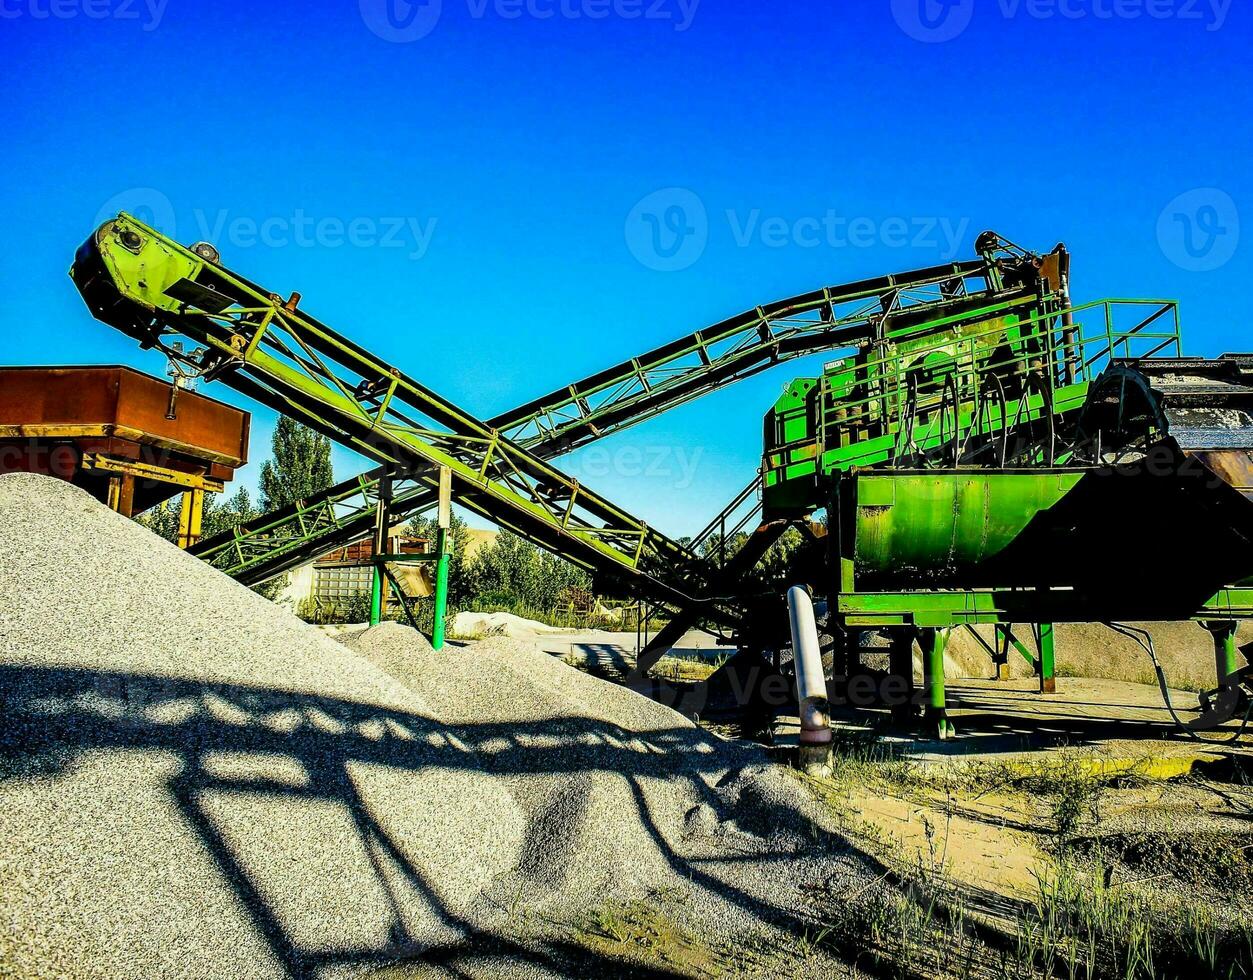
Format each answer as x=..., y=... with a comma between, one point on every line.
x=195, y=783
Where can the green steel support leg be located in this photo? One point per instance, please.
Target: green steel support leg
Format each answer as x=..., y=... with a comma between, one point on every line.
x=441, y=590
x=932, y=641
x=1047, y=668
x=376, y=595
x=1224, y=634
x=382, y=528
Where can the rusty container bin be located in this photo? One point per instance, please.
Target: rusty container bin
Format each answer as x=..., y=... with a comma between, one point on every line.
x=74, y=422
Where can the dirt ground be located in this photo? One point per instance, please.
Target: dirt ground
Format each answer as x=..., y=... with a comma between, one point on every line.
x=1078, y=824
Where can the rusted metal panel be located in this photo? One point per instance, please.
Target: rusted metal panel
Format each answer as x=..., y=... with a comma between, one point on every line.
x=362, y=552
x=1232, y=466
x=110, y=431
x=118, y=403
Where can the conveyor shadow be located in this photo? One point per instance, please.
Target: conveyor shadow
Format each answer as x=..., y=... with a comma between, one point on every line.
x=51, y=716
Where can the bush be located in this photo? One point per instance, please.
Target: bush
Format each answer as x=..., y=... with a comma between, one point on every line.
x=512, y=572
x=355, y=609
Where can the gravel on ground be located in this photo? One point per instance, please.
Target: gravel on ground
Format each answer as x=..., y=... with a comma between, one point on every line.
x=195, y=783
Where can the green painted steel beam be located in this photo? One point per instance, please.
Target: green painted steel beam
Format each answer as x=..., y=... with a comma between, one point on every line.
x=1046, y=667
x=990, y=607
x=441, y=590
x=936, y=719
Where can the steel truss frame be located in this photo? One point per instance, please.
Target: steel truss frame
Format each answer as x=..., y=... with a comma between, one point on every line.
x=828, y=319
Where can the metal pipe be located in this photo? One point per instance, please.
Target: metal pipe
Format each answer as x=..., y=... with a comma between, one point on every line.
x=811, y=685
x=441, y=590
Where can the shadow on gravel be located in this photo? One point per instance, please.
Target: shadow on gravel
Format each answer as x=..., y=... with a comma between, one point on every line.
x=49, y=716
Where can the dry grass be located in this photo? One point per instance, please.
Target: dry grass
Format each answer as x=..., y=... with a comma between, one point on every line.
x=1090, y=917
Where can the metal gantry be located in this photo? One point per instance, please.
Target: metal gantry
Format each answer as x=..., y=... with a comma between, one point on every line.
x=155, y=289
x=642, y=387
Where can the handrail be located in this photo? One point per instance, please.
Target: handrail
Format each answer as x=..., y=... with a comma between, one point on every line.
x=890, y=400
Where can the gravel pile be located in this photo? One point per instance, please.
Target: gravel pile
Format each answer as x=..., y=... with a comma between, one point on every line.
x=479, y=625
x=194, y=783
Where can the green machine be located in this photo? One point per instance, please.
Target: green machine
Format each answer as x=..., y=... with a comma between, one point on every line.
x=984, y=452
x=216, y=325
x=1014, y=459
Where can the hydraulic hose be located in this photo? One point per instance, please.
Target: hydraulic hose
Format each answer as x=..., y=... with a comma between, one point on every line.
x=1145, y=640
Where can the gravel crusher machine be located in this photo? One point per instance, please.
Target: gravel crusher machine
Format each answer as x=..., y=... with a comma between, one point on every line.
x=1015, y=459
x=983, y=453
x=213, y=324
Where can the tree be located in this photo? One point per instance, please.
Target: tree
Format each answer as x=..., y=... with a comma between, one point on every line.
x=458, y=542
x=300, y=468
x=222, y=516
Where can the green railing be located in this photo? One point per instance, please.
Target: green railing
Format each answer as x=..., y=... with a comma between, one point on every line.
x=959, y=388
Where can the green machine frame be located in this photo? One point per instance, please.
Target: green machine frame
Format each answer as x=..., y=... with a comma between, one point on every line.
x=960, y=470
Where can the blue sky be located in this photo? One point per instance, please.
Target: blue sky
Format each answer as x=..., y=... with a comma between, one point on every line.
x=462, y=185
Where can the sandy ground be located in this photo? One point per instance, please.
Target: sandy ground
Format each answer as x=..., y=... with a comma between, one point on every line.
x=990, y=840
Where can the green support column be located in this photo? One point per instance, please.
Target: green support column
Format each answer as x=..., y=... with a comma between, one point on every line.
x=376, y=595
x=382, y=527
x=443, y=521
x=1048, y=680
x=1224, y=633
x=932, y=641
x=441, y=589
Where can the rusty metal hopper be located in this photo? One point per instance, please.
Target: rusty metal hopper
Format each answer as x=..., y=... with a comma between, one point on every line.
x=94, y=425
